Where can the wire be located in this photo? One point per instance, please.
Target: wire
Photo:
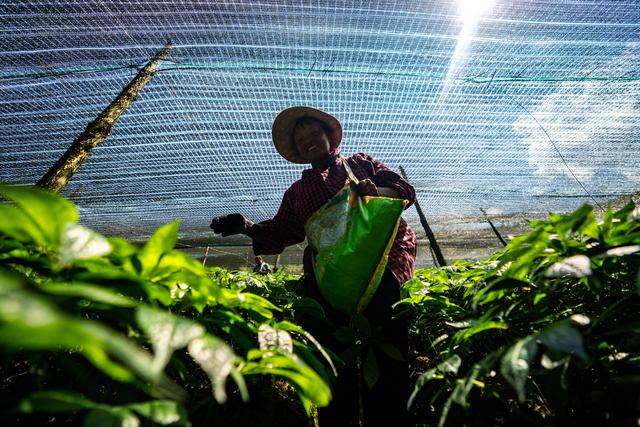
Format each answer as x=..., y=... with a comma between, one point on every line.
x=34, y=74
x=561, y=157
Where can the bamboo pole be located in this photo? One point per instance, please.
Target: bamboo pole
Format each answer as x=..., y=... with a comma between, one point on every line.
x=423, y=220
x=61, y=172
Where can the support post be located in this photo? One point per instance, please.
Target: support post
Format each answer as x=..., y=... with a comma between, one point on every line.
x=495, y=230
x=206, y=254
x=61, y=172
x=423, y=220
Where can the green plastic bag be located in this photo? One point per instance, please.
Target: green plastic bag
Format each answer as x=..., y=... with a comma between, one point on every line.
x=351, y=237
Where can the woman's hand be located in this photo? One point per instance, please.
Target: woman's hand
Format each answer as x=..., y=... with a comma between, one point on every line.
x=228, y=225
x=366, y=187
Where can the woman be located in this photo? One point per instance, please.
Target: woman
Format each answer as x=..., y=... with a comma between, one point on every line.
x=310, y=136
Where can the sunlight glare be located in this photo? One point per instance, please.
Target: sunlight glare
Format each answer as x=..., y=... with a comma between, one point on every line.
x=472, y=10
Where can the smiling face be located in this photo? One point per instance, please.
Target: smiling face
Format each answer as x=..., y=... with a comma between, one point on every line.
x=311, y=140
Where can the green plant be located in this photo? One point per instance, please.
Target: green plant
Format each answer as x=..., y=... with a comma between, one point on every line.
x=133, y=321
x=546, y=330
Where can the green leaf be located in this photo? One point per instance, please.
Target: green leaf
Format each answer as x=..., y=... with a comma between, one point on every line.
x=477, y=327
x=413, y=286
x=174, y=261
x=582, y=220
x=620, y=251
x=286, y=325
x=235, y=326
x=18, y=225
x=552, y=359
x=522, y=249
x=247, y=301
x=626, y=238
x=607, y=223
x=270, y=338
x=163, y=240
x=89, y=292
x=575, y=266
x=106, y=274
x=111, y=417
x=217, y=360
x=167, y=333
x=463, y=387
x=17, y=306
x=539, y=297
x=451, y=365
x=163, y=412
x=122, y=248
x=516, y=364
x=309, y=385
x=79, y=242
x=444, y=412
x=31, y=322
x=258, y=304
x=497, y=289
x=308, y=306
x=137, y=360
x=48, y=211
x=158, y=293
x=370, y=369
x=564, y=337
x=421, y=382
x=625, y=212
x=55, y=401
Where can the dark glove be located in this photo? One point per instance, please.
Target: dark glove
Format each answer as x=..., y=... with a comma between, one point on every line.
x=366, y=187
x=228, y=225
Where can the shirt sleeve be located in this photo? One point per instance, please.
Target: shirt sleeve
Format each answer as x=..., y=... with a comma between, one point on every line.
x=270, y=237
x=382, y=176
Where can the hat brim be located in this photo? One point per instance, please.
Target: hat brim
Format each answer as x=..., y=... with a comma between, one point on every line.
x=285, y=122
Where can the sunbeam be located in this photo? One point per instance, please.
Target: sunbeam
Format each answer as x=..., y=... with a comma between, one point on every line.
x=470, y=11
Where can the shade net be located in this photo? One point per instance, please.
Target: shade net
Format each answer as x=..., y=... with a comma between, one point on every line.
x=518, y=109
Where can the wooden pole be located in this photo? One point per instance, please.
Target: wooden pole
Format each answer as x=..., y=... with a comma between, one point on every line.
x=495, y=230
x=61, y=172
x=423, y=220
x=206, y=254
x=433, y=256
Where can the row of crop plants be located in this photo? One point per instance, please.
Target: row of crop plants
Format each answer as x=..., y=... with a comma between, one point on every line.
x=99, y=331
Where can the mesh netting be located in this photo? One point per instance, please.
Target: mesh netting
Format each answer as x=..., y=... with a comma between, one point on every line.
x=534, y=106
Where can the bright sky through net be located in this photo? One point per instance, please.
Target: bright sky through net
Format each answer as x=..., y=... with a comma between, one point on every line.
x=502, y=106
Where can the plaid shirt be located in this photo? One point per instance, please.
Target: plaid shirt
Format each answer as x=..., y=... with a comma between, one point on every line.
x=314, y=189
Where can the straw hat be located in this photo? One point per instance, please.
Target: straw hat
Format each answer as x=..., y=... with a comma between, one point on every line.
x=282, y=130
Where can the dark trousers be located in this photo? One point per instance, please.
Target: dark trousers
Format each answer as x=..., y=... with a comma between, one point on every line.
x=385, y=404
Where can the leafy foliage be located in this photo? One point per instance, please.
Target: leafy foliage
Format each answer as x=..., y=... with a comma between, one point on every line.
x=141, y=318
x=547, y=328
x=545, y=332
